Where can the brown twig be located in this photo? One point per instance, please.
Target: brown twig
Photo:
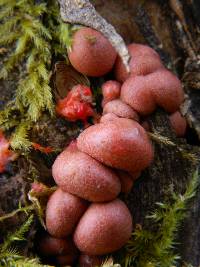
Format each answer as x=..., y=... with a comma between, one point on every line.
x=13, y=213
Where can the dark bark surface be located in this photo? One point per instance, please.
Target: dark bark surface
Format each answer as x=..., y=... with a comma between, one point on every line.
x=176, y=38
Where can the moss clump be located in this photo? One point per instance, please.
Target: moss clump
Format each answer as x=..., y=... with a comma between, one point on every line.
x=34, y=34
x=156, y=248
x=10, y=256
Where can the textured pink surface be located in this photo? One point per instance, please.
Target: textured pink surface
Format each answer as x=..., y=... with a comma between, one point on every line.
x=144, y=60
x=61, y=250
x=166, y=89
x=79, y=174
x=136, y=92
x=108, y=117
x=121, y=109
x=126, y=181
x=111, y=90
x=91, y=53
x=104, y=228
x=121, y=143
x=161, y=88
x=63, y=212
x=178, y=123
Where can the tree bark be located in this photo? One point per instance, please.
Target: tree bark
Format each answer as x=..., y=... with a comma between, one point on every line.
x=172, y=29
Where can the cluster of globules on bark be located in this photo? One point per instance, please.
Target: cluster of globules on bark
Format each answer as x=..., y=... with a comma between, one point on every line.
x=84, y=215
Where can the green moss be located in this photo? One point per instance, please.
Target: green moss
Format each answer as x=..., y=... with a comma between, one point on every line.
x=35, y=33
x=156, y=248
x=9, y=254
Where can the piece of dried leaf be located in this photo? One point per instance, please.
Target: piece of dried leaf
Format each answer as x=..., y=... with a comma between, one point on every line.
x=65, y=77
